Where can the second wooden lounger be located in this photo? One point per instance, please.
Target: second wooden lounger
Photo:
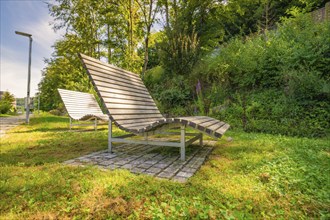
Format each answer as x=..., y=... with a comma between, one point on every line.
x=81, y=106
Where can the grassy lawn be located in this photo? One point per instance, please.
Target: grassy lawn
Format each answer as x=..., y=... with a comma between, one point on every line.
x=255, y=176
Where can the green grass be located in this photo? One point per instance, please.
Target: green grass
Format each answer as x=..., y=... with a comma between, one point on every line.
x=256, y=176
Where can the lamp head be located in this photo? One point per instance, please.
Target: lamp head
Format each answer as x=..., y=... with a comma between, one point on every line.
x=23, y=34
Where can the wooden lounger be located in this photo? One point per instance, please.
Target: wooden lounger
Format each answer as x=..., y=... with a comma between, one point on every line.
x=130, y=106
x=81, y=106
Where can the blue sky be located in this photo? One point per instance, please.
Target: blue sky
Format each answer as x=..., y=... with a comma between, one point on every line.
x=31, y=17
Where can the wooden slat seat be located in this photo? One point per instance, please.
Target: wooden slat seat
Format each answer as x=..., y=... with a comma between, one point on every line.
x=81, y=106
x=130, y=106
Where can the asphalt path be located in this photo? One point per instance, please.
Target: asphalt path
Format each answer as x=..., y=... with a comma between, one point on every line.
x=10, y=122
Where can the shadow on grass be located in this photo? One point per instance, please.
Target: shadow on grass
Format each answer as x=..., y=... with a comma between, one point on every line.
x=60, y=130
x=51, y=123
x=53, y=148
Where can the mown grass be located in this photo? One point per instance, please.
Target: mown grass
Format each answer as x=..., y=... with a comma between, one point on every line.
x=255, y=176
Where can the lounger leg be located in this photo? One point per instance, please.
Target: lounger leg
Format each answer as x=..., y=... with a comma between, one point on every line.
x=95, y=124
x=110, y=136
x=70, y=123
x=201, y=140
x=183, y=143
x=145, y=136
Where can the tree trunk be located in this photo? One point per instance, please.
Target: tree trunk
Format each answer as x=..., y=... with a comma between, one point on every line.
x=146, y=55
x=166, y=15
x=131, y=29
x=109, y=45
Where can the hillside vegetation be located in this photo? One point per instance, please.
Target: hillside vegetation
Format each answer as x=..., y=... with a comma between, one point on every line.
x=273, y=82
x=261, y=66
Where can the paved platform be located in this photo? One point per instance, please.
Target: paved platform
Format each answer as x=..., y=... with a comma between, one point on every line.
x=10, y=122
x=162, y=162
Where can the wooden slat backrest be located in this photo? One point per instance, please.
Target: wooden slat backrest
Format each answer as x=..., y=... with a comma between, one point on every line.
x=123, y=93
x=79, y=104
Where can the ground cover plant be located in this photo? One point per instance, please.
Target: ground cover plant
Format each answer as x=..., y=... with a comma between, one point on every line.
x=255, y=176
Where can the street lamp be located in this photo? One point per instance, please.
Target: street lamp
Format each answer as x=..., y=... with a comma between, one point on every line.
x=29, y=75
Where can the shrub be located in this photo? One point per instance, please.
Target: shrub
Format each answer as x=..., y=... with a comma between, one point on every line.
x=276, y=82
x=5, y=107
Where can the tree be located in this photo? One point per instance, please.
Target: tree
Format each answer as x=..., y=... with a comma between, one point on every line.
x=191, y=30
x=149, y=9
x=6, y=102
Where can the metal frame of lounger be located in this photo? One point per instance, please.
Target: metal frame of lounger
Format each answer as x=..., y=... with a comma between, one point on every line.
x=94, y=123
x=130, y=107
x=82, y=106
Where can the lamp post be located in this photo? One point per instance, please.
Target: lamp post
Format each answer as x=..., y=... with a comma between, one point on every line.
x=29, y=75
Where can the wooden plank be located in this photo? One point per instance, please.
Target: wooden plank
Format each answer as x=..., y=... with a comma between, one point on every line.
x=128, y=117
x=128, y=101
x=77, y=98
x=138, y=125
x=82, y=104
x=74, y=93
x=223, y=129
x=216, y=126
x=194, y=122
x=209, y=123
x=156, y=143
x=114, y=79
x=138, y=121
x=202, y=126
x=127, y=97
x=114, y=72
x=121, y=84
x=119, y=87
x=128, y=106
x=84, y=109
x=84, y=112
x=133, y=112
x=189, y=118
x=108, y=91
x=87, y=58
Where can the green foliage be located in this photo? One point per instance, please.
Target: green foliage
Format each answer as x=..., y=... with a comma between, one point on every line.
x=172, y=94
x=277, y=82
x=153, y=77
x=5, y=107
x=95, y=28
x=6, y=103
x=179, y=52
x=255, y=176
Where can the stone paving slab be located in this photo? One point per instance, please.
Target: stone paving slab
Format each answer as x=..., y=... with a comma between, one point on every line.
x=161, y=162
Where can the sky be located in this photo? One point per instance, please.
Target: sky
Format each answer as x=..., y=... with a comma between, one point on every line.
x=29, y=16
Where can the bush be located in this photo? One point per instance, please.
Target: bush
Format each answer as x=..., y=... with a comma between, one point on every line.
x=277, y=82
x=5, y=107
x=55, y=112
x=59, y=111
